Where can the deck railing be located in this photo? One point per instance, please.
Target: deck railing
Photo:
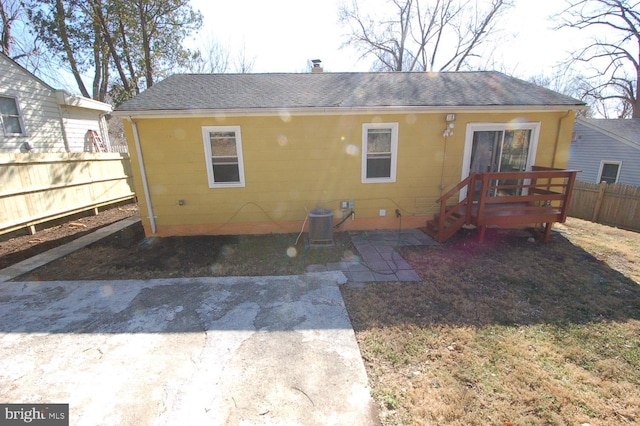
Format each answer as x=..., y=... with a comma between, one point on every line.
x=505, y=199
x=452, y=217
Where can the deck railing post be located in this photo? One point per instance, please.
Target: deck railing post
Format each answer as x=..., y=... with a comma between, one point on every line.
x=471, y=192
x=443, y=216
x=571, y=180
x=483, y=194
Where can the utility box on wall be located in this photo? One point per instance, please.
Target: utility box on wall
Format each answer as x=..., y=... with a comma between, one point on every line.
x=320, y=228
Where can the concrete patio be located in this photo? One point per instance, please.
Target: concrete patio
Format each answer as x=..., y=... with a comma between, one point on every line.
x=217, y=351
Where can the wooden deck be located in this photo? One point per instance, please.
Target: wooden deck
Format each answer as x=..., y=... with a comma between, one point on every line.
x=541, y=196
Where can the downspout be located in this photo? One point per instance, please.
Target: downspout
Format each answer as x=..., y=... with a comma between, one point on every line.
x=143, y=172
x=555, y=148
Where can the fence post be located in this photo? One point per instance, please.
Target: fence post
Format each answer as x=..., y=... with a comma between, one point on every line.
x=596, y=208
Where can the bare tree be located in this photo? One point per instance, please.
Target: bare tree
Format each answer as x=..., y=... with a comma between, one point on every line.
x=568, y=81
x=437, y=35
x=613, y=56
x=215, y=58
x=8, y=15
x=15, y=44
x=211, y=58
x=243, y=63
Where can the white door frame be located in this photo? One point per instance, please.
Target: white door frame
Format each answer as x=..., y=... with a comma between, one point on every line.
x=479, y=127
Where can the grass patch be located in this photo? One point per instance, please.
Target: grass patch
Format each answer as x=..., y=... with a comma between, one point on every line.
x=506, y=332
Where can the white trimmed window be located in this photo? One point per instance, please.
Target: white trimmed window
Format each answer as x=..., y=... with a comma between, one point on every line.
x=379, y=152
x=223, y=153
x=11, y=117
x=609, y=171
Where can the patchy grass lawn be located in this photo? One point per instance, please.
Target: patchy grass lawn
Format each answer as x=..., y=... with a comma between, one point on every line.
x=616, y=247
x=508, y=332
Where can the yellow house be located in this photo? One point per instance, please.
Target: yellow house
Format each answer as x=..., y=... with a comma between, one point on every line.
x=255, y=153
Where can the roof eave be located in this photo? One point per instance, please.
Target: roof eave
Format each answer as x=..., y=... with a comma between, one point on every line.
x=609, y=133
x=68, y=99
x=183, y=113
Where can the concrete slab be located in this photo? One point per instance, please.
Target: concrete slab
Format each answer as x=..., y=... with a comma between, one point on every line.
x=380, y=261
x=247, y=350
x=361, y=276
x=381, y=267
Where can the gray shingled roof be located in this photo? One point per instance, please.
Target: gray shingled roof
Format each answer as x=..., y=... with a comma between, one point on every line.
x=182, y=92
x=627, y=129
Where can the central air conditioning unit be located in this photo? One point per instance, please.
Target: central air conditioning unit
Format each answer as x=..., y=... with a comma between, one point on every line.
x=320, y=228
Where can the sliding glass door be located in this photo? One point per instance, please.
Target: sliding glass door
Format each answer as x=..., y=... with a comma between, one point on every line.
x=499, y=148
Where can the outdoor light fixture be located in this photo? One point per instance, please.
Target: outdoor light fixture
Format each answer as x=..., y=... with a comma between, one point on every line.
x=448, y=131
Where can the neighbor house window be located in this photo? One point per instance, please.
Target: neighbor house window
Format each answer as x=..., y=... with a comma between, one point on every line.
x=223, y=151
x=379, y=152
x=10, y=117
x=609, y=171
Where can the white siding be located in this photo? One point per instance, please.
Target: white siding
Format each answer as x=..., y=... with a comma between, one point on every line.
x=39, y=108
x=77, y=122
x=590, y=147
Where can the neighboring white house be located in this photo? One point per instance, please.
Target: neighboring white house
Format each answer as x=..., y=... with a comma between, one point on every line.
x=606, y=150
x=35, y=117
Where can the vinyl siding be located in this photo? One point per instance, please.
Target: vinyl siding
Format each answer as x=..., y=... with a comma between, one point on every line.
x=47, y=122
x=77, y=122
x=590, y=147
x=39, y=108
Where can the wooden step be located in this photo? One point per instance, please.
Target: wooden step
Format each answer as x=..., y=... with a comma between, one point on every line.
x=449, y=227
x=449, y=220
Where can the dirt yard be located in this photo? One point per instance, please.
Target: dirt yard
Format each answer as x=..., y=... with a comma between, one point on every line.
x=128, y=254
x=18, y=246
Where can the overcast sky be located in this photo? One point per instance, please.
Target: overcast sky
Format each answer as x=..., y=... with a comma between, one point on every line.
x=283, y=35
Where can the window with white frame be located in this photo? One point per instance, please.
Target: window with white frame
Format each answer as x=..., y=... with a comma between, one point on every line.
x=223, y=151
x=609, y=171
x=379, y=152
x=11, y=117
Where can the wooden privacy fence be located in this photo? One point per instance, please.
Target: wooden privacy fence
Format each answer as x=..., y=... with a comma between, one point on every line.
x=613, y=204
x=35, y=188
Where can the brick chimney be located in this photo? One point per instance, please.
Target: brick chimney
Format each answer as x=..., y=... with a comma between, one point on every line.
x=317, y=65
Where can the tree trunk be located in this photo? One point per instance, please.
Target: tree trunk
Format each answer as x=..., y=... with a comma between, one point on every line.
x=62, y=29
x=97, y=50
x=112, y=47
x=104, y=84
x=148, y=66
x=635, y=113
x=6, y=30
x=127, y=56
